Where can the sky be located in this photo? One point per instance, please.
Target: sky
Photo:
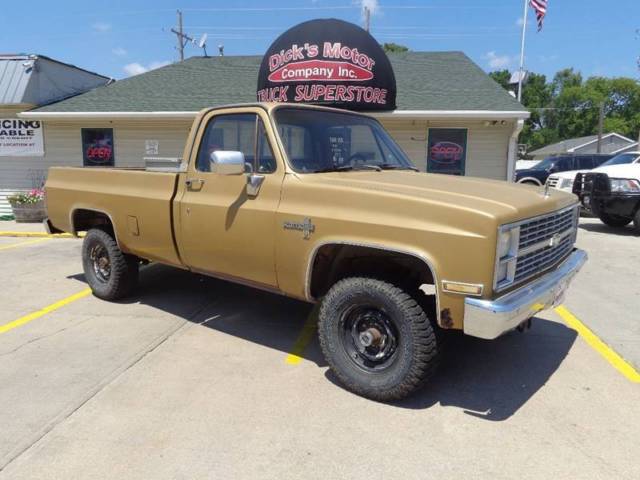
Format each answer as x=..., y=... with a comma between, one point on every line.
x=123, y=38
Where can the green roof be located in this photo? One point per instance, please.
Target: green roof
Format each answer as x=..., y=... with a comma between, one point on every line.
x=425, y=81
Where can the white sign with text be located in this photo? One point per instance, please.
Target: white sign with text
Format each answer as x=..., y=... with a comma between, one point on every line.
x=21, y=138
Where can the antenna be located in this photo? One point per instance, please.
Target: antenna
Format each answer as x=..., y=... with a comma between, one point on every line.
x=367, y=18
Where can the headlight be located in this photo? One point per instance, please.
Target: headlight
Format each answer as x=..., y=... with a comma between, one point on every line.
x=624, y=185
x=566, y=183
x=506, y=256
x=504, y=243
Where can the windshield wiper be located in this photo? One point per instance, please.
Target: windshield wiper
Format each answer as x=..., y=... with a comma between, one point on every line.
x=346, y=168
x=391, y=166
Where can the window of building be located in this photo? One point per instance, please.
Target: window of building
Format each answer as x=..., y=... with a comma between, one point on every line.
x=97, y=147
x=447, y=150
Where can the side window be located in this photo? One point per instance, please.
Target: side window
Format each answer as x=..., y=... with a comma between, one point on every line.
x=583, y=162
x=265, y=161
x=599, y=160
x=235, y=132
x=563, y=164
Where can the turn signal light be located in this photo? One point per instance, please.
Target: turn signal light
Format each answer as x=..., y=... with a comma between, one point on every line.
x=465, y=288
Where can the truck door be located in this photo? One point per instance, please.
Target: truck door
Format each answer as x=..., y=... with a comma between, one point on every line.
x=226, y=227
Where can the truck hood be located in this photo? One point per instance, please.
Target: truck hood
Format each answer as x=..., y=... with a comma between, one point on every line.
x=502, y=200
x=568, y=174
x=630, y=170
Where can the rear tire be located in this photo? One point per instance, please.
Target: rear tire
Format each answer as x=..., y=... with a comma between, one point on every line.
x=614, y=221
x=110, y=273
x=377, y=339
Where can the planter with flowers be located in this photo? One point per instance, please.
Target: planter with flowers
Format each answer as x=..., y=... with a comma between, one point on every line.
x=28, y=207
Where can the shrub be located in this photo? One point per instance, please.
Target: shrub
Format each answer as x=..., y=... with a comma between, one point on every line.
x=32, y=196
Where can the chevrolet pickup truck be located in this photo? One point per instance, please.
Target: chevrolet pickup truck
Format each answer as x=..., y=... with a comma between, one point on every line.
x=322, y=205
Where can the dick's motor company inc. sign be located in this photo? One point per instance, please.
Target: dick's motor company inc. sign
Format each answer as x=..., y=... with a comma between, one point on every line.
x=328, y=62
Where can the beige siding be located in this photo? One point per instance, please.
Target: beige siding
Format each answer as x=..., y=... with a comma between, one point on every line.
x=63, y=146
x=487, y=145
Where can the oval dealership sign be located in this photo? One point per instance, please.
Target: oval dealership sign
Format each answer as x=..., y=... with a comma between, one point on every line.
x=327, y=62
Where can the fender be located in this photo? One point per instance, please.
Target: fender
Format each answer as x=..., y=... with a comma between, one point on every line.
x=419, y=255
x=97, y=210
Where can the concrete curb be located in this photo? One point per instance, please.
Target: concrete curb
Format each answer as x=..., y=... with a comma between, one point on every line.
x=39, y=235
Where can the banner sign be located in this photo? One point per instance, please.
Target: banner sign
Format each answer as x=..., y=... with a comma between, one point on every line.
x=327, y=62
x=97, y=147
x=447, y=150
x=21, y=138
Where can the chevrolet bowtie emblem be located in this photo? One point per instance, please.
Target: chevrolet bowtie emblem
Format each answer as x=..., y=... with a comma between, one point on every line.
x=554, y=241
x=306, y=227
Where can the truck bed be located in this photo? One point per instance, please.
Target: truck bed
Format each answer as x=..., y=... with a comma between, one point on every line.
x=139, y=203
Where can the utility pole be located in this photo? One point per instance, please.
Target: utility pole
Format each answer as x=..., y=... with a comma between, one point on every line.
x=182, y=37
x=367, y=18
x=179, y=36
x=600, y=124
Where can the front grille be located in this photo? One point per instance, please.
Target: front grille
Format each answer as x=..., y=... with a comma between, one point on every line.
x=544, y=241
x=552, y=181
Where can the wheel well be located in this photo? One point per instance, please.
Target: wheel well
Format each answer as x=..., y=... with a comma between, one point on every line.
x=530, y=181
x=334, y=262
x=83, y=220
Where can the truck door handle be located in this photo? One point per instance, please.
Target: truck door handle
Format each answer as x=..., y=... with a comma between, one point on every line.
x=193, y=183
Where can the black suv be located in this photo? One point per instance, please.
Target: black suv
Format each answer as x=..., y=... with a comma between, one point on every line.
x=561, y=163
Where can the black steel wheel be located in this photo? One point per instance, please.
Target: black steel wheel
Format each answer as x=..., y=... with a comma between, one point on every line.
x=110, y=273
x=376, y=338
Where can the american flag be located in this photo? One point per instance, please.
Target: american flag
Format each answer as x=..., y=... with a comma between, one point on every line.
x=540, y=6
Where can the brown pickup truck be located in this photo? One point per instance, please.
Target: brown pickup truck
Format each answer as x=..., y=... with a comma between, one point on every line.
x=322, y=205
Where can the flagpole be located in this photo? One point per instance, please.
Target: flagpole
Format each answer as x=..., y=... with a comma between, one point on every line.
x=524, y=31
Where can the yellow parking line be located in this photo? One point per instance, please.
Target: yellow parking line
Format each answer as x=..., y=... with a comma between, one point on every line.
x=39, y=234
x=598, y=345
x=28, y=242
x=54, y=306
x=306, y=335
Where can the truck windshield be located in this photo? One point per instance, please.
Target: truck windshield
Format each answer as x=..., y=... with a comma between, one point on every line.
x=319, y=141
x=545, y=164
x=621, y=159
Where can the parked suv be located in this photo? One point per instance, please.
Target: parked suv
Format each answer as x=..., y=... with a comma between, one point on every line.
x=564, y=180
x=538, y=174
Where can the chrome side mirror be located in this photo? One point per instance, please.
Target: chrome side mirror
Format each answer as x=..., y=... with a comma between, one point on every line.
x=227, y=162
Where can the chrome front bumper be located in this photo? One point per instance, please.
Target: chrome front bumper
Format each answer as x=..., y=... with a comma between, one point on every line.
x=491, y=318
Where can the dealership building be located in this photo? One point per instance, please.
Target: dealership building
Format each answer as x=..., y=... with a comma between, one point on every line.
x=442, y=98
x=28, y=81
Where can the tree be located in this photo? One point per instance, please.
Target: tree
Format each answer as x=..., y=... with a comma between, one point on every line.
x=568, y=106
x=394, y=48
x=501, y=77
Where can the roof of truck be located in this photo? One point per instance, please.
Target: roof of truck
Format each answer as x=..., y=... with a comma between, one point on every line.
x=426, y=81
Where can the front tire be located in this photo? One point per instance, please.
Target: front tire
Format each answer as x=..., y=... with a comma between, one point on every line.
x=377, y=339
x=110, y=273
x=636, y=222
x=614, y=221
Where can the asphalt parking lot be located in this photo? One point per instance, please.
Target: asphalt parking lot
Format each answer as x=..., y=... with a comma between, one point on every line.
x=198, y=378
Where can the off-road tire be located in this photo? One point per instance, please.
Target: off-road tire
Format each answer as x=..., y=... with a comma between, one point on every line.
x=123, y=276
x=614, y=221
x=417, y=352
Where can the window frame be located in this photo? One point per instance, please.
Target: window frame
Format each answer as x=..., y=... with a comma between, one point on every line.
x=258, y=120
